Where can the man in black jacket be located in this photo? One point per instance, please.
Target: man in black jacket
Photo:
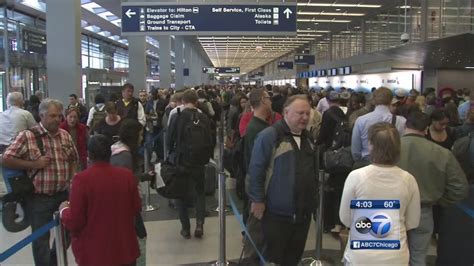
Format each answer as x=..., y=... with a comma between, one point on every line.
x=129, y=106
x=331, y=118
x=191, y=145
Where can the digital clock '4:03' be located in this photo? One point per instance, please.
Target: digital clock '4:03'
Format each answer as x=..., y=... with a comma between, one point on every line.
x=375, y=204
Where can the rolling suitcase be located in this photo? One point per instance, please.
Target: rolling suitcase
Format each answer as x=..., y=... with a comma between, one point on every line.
x=210, y=177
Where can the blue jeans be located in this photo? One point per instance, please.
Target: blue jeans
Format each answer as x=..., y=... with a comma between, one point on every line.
x=195, y=191
x=39, y=211
x=420, y=237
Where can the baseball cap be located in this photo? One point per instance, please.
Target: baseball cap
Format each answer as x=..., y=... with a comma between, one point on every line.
x=400, y=93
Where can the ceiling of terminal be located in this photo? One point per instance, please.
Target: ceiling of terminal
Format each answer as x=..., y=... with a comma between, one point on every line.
x=451, y=52
x=316, y=19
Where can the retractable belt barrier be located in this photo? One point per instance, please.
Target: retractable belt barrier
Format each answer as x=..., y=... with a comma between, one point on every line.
x=29, y=239
x=466, y=209
x=238, y=216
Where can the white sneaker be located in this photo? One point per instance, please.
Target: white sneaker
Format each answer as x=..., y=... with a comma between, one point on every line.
x=337, y=228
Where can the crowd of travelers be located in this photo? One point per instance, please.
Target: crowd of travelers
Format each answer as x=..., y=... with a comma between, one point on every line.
x=87, y=163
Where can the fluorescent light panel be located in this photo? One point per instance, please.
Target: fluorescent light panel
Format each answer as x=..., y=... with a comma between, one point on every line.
x=322, y=13
x=339, y=5
x=315, y=31
x=324, y=20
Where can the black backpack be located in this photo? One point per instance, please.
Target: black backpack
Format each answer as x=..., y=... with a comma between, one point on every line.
x=342, y=133
x=195, y=142
x=337, y=159
x=463, y=150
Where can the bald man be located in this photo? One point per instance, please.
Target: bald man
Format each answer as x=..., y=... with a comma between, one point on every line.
x=282, y=183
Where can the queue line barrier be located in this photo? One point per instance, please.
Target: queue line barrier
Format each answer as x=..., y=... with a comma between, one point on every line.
x=61, y=249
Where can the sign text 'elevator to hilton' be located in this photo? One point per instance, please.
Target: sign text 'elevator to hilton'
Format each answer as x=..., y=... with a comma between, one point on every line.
x=195, y=19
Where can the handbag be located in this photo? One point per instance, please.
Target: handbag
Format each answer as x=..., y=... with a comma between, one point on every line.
x=11, y=220
x=171, y=182
x=338, y=160
x=21, y=184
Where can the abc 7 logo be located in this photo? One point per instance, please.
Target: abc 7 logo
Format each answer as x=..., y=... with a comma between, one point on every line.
x=378, y=225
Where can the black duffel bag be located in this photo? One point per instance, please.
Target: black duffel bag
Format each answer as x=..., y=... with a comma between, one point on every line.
x=338, y=161
x=175, y=181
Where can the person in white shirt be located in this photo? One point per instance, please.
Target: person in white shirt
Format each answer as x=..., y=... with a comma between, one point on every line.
x=381, y=180
x=14, y=120
x=323, y=104
x=99, y=107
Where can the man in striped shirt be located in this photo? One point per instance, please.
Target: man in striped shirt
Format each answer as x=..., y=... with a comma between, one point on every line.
x=57, y=163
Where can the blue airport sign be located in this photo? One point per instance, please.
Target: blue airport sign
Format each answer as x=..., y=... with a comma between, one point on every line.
x=303, y=59
x=34, y=41
x=221, y=70
x=285, y=64
x=197, y=19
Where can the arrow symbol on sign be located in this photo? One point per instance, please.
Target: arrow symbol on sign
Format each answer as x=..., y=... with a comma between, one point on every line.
x=287, y=12
x=130, y=13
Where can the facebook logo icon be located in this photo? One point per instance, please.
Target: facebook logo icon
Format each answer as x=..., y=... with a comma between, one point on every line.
x=356, y=245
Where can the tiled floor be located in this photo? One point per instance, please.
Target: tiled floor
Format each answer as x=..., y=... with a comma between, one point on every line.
x=166, y=247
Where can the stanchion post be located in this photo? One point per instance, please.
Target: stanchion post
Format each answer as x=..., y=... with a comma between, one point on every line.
x=317, y=260
x=165, y=151
x=148, y=206
x=319, y=216
x=60, y=238
x=222, y=197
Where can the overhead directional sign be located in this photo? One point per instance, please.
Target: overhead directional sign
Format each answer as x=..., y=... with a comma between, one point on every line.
x=285, y=64
x=197, y=19
x=34, y=41
x=303, y=59
x=221, y=70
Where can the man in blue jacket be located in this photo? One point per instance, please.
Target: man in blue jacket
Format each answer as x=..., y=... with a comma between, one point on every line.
x=282, y=183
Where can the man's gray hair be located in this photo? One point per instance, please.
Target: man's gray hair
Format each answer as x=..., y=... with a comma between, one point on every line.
x=46, y=103
x=14, y=98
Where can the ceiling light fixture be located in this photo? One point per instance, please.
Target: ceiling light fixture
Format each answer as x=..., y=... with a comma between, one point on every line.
x=345, y=14
x=339, y=5
x=324, y=20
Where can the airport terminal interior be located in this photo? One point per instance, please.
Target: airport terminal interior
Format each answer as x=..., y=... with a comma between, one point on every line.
x=217, y=55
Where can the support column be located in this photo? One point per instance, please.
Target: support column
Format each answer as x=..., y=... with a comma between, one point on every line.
x=179, y=62
x=63, y=32
x=188, y=63
x=204, y=77
x=196, y=80
x=424, y=21
x=137, y=62
x=165, y=61
x=330, y=47
x=363, y=36
x=6, y=63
